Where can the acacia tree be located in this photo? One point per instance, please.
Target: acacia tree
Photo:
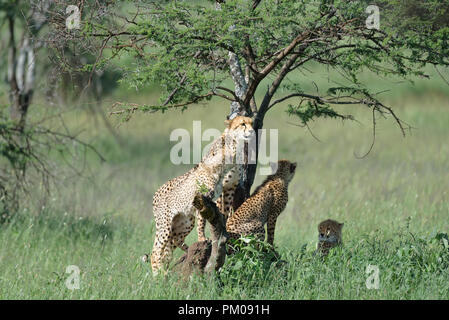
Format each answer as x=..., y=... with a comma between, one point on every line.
x=192, y=49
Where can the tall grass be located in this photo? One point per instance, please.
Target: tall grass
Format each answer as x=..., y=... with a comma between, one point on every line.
x=394, y=203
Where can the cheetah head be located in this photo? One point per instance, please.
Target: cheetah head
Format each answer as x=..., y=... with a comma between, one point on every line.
x=284, y=168
x=240, y=127
x=237, y=130
x=329, y=231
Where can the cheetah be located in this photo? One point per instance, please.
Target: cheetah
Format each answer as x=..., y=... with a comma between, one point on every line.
x=264, y=205
x=225, y=202
x=329, y=236
x=173, y=208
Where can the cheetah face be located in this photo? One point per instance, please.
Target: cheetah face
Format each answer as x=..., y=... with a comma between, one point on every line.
x=329, y=231
x=240, y=128
x=327, y=236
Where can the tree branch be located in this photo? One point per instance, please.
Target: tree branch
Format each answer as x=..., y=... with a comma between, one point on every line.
x=270, y=66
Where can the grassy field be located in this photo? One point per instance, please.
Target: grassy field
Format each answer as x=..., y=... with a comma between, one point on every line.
x=394, y=203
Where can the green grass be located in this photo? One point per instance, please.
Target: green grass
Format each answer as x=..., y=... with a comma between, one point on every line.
x=107, y=252
x=394, y=202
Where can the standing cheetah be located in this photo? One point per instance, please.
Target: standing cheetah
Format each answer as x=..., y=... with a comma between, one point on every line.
x=225, y=202
x=264, y=205
x=173, y=208
x=329, y=235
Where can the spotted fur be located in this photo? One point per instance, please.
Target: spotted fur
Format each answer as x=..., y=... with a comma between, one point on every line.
x=329, y=235
x=264, y=205
x=225, y=200
x=173, y=208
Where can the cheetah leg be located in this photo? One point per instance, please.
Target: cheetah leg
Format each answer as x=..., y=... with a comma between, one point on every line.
x=201, y=222
x=220, y=202
x=271, y=225
x=181, y=227
x=225, y=202
x=227, y=208
x=201, y=226
x=259, y=233
x=162, y=250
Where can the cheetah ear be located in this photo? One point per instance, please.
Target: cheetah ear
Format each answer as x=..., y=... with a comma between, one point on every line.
x=341, y=225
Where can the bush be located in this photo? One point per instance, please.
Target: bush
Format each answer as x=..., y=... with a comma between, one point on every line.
x=251, y=264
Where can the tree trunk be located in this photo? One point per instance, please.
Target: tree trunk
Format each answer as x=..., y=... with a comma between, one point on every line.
x=22, y=63
x=243, y=190
x=241, y=81
x=20, y=77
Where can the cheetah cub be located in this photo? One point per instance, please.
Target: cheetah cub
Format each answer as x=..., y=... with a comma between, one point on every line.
x=264, y=205
x=329, y=235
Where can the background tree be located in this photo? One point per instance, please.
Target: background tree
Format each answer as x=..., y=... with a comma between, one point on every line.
x=21, y=63
x=235, y=49
x=25, y=147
